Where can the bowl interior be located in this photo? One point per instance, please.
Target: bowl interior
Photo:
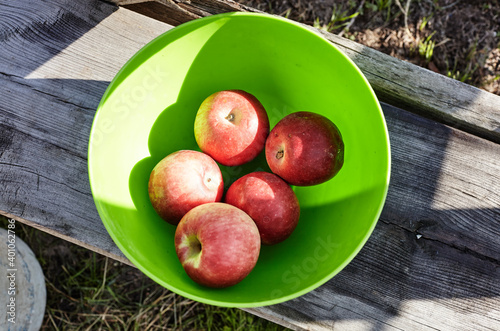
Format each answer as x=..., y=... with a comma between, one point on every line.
x=148, y=112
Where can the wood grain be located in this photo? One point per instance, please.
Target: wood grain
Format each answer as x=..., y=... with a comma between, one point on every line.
x=176, y=12
x=396, y=82
x=433, y=261
x=51, y=83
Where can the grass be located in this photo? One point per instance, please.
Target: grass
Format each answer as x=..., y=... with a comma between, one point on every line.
x=340, y=19
x=88, y=291
x=426, y=47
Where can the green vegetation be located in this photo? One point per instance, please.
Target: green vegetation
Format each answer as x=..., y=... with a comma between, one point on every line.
x=340, y=19
x=426, y=47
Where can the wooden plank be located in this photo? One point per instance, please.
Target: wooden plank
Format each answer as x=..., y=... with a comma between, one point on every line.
x=51, y=82
x=432, y=261
x=176, y=12
x=445, y=184
x=396, y=82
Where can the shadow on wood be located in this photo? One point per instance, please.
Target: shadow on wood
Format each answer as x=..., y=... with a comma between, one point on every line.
x=45, y=116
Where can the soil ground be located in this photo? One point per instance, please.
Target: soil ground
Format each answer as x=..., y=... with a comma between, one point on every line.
x=457, y=38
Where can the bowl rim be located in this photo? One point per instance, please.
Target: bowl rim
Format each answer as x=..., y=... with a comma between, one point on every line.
x=179, y=291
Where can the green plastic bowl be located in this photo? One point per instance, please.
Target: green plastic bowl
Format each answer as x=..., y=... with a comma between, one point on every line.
x=148, y=111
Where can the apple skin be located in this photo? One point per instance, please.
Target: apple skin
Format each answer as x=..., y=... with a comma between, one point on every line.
x=183, y=180
x=269, y=201
x=305, y=148
x=232, y=127
x=217, y=244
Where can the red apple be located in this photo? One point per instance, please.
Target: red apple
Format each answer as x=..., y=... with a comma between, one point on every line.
x=232, y=127
x=269, y=201
x=217, y=244
x=182, y=181
x=305, y=148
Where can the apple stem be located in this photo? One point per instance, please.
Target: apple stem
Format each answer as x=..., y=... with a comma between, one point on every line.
x=230, y=117
x=280, y=154
x=197, y=248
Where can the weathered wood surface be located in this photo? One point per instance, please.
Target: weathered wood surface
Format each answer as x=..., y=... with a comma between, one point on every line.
x=433, y=261
x=396, y=82
x=175, y=12
x=56, y=61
